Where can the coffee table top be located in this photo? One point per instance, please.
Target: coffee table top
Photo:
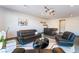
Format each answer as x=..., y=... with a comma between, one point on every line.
x=52, y=43
x=41, y=43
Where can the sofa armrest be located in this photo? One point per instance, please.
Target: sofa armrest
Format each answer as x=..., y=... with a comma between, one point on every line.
x=68, y=44
x=65, y=41
x=58, y=37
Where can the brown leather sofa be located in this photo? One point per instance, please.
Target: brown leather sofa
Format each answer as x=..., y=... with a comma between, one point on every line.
x=54, y=50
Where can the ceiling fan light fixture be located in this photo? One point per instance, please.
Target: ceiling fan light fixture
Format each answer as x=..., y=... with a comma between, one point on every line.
x=48, y=12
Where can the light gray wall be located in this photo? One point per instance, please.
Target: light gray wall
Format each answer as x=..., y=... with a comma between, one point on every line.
x=2, y=17
x=71, y=24
x=11, y=21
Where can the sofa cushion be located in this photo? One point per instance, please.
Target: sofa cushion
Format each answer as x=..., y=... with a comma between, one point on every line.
x=66, y=35
x=50, y=31
x=58, y=50
x=26, y=32
x=19, y=50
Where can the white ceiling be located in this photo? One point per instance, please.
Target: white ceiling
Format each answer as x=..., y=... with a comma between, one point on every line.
x=61, y=11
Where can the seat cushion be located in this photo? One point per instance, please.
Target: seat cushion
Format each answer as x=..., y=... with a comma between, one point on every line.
x=58, y=50
x=19, y=50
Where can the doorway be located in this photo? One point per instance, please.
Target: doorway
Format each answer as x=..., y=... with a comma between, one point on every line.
x=61, y=26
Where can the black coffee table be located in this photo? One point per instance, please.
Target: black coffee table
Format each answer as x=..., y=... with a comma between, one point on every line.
x=41, y=43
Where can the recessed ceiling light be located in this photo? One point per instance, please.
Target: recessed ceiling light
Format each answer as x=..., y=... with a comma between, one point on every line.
x=25, y=5
x=71, y=15
x=71, y=5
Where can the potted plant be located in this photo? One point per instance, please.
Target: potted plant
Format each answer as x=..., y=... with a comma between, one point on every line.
x=2, y=41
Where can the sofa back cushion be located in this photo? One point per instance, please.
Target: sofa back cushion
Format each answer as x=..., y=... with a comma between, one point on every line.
x=50, y=31
x=24, y=33
x=66, y=35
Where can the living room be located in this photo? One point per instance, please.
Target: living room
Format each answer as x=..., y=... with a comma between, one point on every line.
x=29, y=17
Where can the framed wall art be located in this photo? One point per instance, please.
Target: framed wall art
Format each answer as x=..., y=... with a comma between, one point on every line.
x=22, y=22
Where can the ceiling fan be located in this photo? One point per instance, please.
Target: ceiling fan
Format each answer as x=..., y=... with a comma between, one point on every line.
x=49, y=11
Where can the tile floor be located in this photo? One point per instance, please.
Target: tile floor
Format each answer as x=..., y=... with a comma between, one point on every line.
x=11, y=45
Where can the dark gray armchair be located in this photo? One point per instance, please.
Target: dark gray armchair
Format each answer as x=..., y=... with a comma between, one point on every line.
x=67, y=39
x=27, y=36
x=50, y=31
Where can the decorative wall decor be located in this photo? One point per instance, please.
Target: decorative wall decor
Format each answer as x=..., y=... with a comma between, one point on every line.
x=44, y=24
x=22, y=22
